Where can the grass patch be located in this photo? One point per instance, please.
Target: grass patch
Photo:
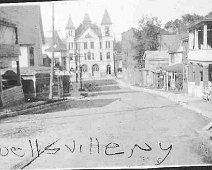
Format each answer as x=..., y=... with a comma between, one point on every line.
x=204, y=149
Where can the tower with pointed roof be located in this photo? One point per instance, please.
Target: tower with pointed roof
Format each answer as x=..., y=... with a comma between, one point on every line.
x=106, y=25
x=107, y=40
x=70, y=38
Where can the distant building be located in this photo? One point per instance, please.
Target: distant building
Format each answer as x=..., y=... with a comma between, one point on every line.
x=60, y=51
x=11, y=90
x=154, y=63
x=91, y=48
x=129, y=53
x=176, y=70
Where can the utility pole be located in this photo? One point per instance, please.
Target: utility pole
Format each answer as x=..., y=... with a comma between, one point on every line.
x=52, y=61
x=76, y=64
x=80, y=67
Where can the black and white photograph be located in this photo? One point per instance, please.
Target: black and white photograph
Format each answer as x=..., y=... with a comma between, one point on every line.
x=114, y=84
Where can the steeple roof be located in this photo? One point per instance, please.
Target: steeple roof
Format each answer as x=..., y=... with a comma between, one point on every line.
x=59, y=45
x=70, y=24
x=86, y=19
x=106, y=19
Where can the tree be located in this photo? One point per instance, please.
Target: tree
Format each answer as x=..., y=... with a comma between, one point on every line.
x=117, y=46
x=180, y=25
x=147, y=35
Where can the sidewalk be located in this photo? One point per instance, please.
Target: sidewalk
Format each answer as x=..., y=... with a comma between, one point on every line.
x=195, y=104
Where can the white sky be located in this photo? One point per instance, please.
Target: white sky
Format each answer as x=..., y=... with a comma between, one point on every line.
x=124, y=13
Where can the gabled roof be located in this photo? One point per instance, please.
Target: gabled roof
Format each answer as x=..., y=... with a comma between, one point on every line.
x=157, y=55
x=60, y=46
x=28, y=21
x=70, y=24
x=106, y=19
x=209, y=15
x=83, y=27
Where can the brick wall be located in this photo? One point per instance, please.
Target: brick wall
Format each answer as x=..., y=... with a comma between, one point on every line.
x=11, y=96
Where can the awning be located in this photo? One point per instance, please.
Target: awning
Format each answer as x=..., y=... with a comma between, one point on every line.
x=178, y=68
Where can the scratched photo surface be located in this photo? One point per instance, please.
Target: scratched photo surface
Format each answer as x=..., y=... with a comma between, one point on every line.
x=105, y=83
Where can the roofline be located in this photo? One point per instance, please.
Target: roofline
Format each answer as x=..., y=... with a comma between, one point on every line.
x=41, y=27
x=198, y=22
x=5, y=22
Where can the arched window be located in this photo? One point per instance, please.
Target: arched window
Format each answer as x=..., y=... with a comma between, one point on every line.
x=95, y=67
x=84, y=68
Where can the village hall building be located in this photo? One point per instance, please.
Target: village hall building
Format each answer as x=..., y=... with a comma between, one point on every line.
x=90, y=48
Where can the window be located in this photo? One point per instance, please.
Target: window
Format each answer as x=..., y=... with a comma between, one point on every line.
x=31, y=55
x=172, y=58
x=100, y=45
x=201, y=75
x=107, y=44
x=95, y=67
x=70, y=46
x=85, y=55
x=71, y=56
x=100, y=56
x=193, y=76
x=56, y=62
x=85, y=45
x=77, y=46
x=108, y=55
x=93, y=56
x=84, y=68
x=89, y=55
x=107, y=31
x=92, y=45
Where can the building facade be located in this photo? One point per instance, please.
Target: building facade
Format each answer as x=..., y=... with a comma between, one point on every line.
x=90, y=48
x=60, y=51
x=177, y=69
x=152, y=72
x=11, y=90
x=30, y=32
x=200, y=57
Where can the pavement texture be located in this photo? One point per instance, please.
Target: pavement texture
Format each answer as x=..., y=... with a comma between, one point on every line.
x=195, y=104
x=123, y=127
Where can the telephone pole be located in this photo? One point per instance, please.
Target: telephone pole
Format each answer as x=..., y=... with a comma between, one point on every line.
x=52, y=61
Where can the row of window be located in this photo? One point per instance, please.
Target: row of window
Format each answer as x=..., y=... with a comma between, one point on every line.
x=90, y=56
x=107, y=32
x=108, y=45
x=95, y=67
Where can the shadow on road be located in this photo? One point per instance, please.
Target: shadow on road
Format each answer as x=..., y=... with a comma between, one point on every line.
x=81, y=104
x=111, y=93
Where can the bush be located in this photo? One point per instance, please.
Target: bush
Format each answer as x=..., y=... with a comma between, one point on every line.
x=90, y=87
x=179, y=82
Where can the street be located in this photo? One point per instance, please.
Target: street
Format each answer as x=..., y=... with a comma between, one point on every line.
x=119, y=128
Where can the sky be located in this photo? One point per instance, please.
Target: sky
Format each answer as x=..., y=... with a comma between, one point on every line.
x=124, y=14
